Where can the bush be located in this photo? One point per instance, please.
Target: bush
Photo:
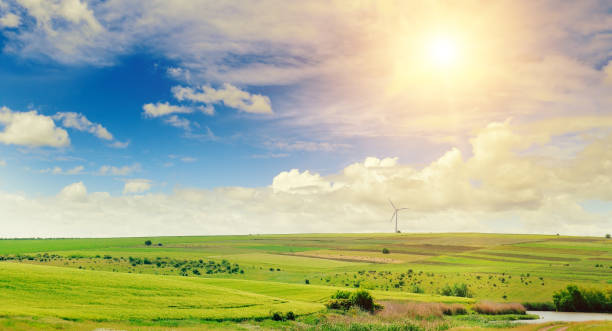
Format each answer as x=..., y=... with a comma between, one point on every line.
x=416, y=289
x=341, y=295
x=385, y=251
x=608, y=235
x=341, y=304
x=306, y=281
x=493, y=308
x=457, y=290
x=290, y=316
x=363, y=299
x=148, y=242
x=542, y=306
x=345, y=300
x=575, y=299
x=276, y=316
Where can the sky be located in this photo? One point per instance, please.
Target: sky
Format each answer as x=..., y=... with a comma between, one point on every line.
x=139, y=118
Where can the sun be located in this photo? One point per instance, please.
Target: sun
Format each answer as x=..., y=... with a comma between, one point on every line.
x=443, y=51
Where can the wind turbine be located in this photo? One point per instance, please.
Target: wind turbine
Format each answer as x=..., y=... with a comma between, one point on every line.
x=395, y=210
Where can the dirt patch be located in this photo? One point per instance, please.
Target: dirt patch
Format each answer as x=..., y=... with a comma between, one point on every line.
x=532, y=257
x=600, y=258
x=484, y=258
x=440, y=249
x=349, y=258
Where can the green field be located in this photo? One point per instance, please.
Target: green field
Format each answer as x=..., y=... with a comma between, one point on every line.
x=227, y=281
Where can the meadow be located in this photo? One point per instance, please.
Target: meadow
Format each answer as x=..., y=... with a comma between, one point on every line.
x=220, y=282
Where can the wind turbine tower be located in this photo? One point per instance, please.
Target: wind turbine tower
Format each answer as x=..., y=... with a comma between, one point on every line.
x=395, y=211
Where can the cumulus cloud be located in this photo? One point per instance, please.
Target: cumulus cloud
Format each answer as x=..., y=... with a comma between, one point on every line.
x=295, y=181
x=161, y=109
x=59, y=171
x=229, y=95
x=30, y=129
x=73, y=192
x=498, y=186
x=9, y=20
x=81, y=123
x=107, y=170
x=136, y=186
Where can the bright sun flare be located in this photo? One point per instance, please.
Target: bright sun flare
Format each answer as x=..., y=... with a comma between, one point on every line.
x=443, y=51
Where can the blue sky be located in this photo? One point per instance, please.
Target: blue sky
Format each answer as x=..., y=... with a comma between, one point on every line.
x=267, y=117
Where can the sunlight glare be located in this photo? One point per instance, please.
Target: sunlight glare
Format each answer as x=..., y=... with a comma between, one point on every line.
x=443, y=52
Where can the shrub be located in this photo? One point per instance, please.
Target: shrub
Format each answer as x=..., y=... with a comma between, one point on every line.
x=385, y=251
x=306, y=281
x=341, y=295
x=148, y=242
x=493, y=308
x=276, y=316
x=343, y=304
x=290, y=316
x=416, y=289
x=575, y=299
x=345, y=300
x=363, y=299
x=608, y=235
x=457, y=290
x=542, y=306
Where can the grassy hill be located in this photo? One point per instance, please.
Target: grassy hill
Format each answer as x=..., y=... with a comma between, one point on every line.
x=249, y=277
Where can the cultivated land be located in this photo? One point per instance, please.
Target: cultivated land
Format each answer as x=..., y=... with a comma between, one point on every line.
x=220, y=282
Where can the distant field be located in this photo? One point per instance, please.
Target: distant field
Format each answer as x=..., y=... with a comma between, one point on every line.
x=246, y=277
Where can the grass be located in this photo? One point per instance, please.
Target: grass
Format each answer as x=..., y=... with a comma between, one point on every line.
x=84, y=281
x=494, y=308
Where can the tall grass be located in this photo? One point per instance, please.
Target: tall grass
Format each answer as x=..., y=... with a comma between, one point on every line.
x=494, y=308
x=394, y=309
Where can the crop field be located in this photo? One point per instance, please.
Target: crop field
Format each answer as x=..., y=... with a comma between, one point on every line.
x=219, y=282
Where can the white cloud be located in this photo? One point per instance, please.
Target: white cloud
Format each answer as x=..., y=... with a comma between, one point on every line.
x=228, y=95
x=118, y=171
x=120, y=144
x=74, y=192
x=59, y=171
x=608, y=72
x=136, y=186
x=295, y=181
x=344, y=75
x=178, y=122
x=308, y=146
x=497, y=188
x=208, y=110
x=64, y=30
x=186, y=159
x=81, y=123
x=161, y=109
x=179, y=74
x=10, y=20
x=30, y=129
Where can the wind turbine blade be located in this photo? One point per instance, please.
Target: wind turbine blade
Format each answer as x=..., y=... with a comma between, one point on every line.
x=392, y=205
x=392, y=216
